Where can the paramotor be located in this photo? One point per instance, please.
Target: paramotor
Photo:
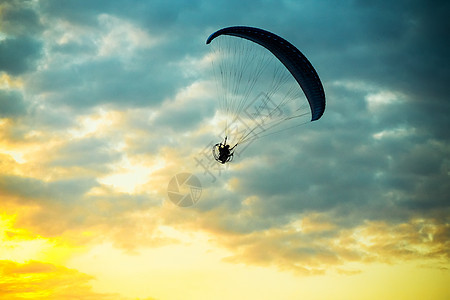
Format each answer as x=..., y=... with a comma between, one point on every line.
x=263, y=82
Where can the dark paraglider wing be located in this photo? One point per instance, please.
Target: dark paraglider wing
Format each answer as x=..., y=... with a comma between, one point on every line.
x=297, y=64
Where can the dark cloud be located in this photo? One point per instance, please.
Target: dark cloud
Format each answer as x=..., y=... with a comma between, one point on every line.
x=350, y=173
x=154, y=14
x=20, y=47
x=82, y=12
x=106, y=81
x=11, y=104
x=19, y=55
x=18, y=18
x=183, y=117
x=142, y=77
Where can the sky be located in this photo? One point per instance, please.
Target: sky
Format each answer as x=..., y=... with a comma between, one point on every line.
x=104, y=103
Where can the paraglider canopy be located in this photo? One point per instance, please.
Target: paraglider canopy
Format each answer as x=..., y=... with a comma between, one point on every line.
x=296, y=63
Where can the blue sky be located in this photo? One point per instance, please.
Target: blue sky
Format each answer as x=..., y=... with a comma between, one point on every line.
x=103, y=102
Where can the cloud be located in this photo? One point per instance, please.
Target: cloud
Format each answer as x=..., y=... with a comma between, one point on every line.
x=31, y=188
x=103, y=72
x=43, y=280
x=20, y=50
x=191, y=108
x=19, y=55
x=90, y=153
x=19, y=18
x=311, y=247
x=11, y=104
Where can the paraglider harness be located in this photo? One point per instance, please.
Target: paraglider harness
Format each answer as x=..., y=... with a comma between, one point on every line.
x=222, y=152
